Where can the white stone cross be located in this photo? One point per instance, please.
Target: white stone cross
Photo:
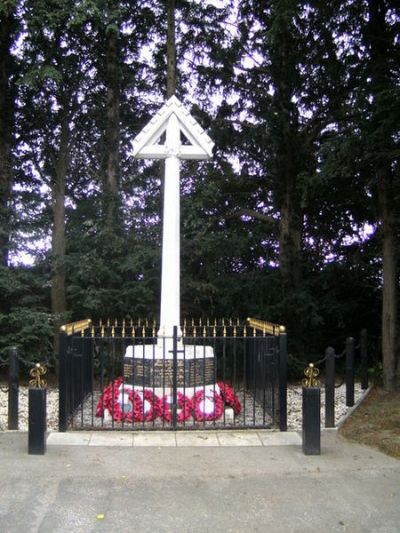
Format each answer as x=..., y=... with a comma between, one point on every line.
x=184, y=139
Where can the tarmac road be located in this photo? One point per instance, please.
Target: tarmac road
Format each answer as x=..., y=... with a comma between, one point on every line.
x=197, y=489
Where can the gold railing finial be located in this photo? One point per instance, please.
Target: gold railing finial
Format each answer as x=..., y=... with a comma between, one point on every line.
x=311, y=373
x=76, y=327
x=266, y=328
x=36, y=373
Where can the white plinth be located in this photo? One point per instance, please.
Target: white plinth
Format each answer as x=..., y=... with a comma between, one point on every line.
x=158, y=351
x=150, y=366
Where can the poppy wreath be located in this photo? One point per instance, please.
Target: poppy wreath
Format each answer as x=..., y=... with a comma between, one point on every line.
x=109, y=400
x=138, y=406
x=230, y=397
x=199, y=415
x=184, y=403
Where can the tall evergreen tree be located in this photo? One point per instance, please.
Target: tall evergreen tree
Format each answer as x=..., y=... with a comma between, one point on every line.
x=290, y=81
x=381, y=37
x=8, y=27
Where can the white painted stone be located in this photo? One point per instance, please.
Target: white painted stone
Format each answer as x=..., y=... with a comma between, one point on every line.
x=146, y=145
x=175, y=121
x=188, y=391
x=229, y=415
x=158, y=351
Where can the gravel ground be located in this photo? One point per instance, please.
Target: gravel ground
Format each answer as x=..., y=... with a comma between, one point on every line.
x=294, y=408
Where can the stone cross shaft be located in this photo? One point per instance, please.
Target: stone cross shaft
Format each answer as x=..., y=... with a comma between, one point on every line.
x=170, y=264
x=184, y=139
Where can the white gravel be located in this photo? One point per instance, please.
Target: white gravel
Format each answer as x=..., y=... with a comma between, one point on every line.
x=294, y=406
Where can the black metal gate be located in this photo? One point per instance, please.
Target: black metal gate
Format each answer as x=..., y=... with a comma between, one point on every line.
x=215, y=375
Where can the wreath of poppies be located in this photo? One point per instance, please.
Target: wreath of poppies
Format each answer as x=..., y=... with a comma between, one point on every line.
x=215, y=414
x=230, y=397
x=109, y=400
x=140, y=413
x=185, y=405
x=147, y=406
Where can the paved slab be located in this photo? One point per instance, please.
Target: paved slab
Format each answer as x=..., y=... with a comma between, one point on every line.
x=197, y=438
x=178, y=438
x=157, y=439
x=119, y=438
x=280, y=438
x=238, y=438
x=80, y=438
x=143, y=489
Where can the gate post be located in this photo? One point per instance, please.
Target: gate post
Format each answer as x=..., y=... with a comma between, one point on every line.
x=62, y=383
x=349, y=372
x=364, y=359
x=311, y=421
x=174, y=376
x=330, y=388
x=13, y=386
x=282, y=382
x=37, y=421
x=37, y=411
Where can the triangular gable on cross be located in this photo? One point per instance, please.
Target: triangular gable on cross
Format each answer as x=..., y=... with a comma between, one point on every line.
x=146, y=144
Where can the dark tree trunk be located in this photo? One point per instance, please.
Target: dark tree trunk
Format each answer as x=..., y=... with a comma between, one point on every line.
x=378, y=38
x=7, y=24
x=112, y=132
x=290, y=244
x=171, y=49
x=391, y=368
x=288, y=164
x=58, y=296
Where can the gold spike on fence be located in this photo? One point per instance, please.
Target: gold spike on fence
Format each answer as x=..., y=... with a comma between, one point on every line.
x=268, y=328
x=200, y=327
x=76, y=327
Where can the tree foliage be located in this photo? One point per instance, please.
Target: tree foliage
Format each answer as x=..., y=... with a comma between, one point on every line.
x=294, y=220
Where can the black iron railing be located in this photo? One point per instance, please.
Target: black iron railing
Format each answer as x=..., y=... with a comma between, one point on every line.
x=212, y=374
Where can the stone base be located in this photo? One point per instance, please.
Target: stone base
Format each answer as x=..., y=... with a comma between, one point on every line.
x=152, y=366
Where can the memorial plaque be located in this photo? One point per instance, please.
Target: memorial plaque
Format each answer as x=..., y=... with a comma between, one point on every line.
x=160, y=373
x=199, y=372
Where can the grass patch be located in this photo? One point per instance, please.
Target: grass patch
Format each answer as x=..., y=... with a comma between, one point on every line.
x=376, y=422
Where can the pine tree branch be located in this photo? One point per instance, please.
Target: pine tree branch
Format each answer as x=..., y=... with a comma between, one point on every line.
x=253, y=214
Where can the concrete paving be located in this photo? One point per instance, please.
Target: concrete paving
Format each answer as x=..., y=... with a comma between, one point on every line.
x=223, y=487
x=174, y=439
